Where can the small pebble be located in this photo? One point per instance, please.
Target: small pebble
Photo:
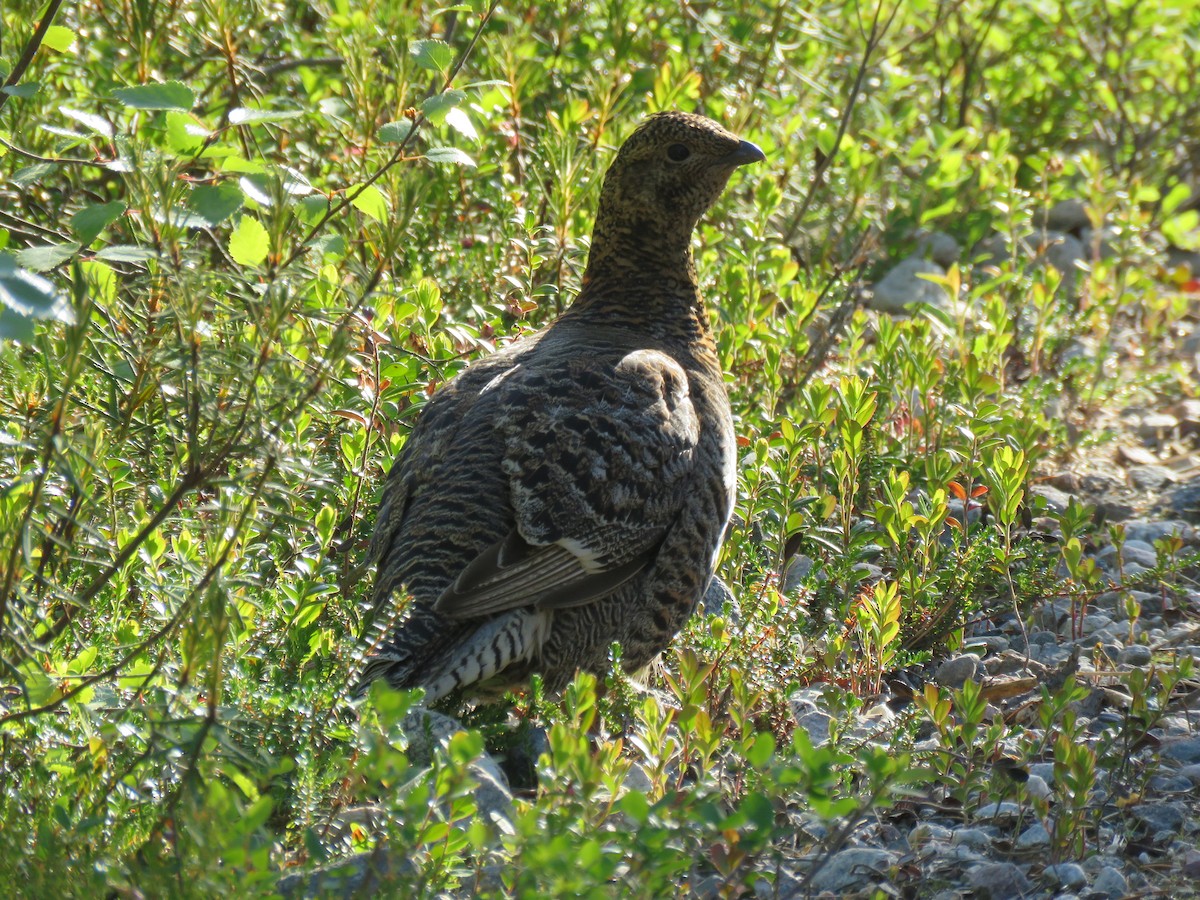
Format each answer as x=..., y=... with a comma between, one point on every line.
x=957, y=670
x=1135, y=655
x=1069, y=875
x=1110, y=883
x=999, y=881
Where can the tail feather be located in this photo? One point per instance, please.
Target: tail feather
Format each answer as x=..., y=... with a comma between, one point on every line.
x=472, y=654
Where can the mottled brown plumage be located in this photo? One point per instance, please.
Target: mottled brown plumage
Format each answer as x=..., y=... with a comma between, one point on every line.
x=571, y=490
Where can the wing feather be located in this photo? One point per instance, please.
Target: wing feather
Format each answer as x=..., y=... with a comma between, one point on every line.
x=596, y=463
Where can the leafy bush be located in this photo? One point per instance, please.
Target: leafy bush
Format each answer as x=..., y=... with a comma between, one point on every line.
x=242, y=244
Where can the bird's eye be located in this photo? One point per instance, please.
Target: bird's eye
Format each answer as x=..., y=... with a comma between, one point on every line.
x=678, y=152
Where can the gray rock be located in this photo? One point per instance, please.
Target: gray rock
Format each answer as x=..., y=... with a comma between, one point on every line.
x=368, y=818
x=1135, y=655
x=957, y=670
x=493, y=799
x=1191, y=773
x=903, y=287
x=1113, y=508
x=1109, y=882
x=981, y=839
x=1145, y=552
x=719, y=600
x=1155, y=425
x=637, y=781
x=1036, y=786
x=1067, y=215
x=1188, y=414
x=427, y=731
x=1094, y=622
x=1133, y=570
x=998, y=881
x=993, y=250
x=1034, y=837
x=1056, y=500
x=924, y=833
x=1150, y=531
x=1150, y=478
x=795, y=571
x=1135, y=554
x=1050, y=655
x=972, y=513
x=1171, y=784
x=816, y=725
x=1068, y=875
x=939, y=247
x=853, y=868
x=1186, y=751
x=1042, y=770
x=1184, y=500
x=1066, y=254
x=807, y=705
x=990, y=644
x=1000, y=811
x=785, y=884
x=1050, y=617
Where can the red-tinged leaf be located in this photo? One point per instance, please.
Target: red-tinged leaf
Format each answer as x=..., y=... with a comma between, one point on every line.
x=979, y=491
x=957, y=490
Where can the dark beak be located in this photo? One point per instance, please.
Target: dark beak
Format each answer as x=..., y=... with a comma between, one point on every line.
x=745, y=153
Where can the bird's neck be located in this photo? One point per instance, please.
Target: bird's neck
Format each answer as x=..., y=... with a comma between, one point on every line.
x=640, y=279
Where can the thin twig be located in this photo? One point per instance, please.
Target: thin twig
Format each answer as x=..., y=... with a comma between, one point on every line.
x=874, y=38
x=31, y=49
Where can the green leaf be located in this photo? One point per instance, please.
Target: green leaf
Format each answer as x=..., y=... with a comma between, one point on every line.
x=245, y=116
x=1183, y=230
x=371, y=202
x=448, y=155
x=216, y=202
x=249, y=243
x=59, y=38
x=635, y=805
x=313, y=207
x=101, y=279
x=22, y=91
x=24, y=297
x=394, y=132
x=436, y=56
x=157, y=95
x=29, y=175
x=436, y=107
x=185, y=134
x=91, y=220
x=13, y=325
x=47, y=256
x=91, y=121
x=126, y=253
x=1175, y=198
x=236, y=163
x=461, y=122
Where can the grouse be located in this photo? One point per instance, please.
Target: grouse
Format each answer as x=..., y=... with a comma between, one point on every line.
x=572, y=489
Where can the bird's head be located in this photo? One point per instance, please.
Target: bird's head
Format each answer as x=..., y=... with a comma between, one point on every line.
x=669, y=172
